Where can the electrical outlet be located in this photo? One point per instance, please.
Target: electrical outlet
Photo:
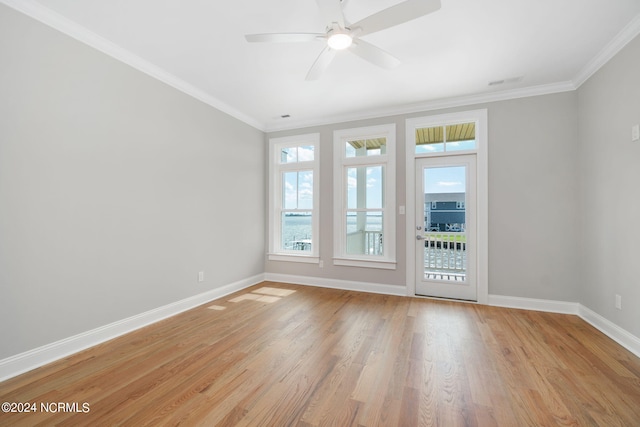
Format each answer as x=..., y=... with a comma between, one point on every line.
x=635, y=132
x=321, y=264
x=618, y=302
x=200, y=276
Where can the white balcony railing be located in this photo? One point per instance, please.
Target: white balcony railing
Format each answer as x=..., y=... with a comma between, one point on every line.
x=445, y=252
x=365, y=243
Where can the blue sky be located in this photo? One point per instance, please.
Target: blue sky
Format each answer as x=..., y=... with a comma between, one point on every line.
x=449, y=179
x=444, y=180
x=298, y=186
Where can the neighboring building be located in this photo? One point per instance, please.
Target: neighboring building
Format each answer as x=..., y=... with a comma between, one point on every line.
x=444, y=211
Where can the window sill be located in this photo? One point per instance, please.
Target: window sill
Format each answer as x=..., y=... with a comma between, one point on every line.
x=367, y=263
x=309, y=259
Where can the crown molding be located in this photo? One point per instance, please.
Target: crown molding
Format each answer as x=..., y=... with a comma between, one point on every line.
x=438, y=104
x=52, y=19
x=628, y=33
x=74, y=30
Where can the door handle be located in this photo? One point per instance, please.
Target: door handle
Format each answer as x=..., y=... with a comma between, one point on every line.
x=419, y=237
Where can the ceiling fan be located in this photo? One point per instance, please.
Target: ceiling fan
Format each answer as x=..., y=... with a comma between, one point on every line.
x=341, y=35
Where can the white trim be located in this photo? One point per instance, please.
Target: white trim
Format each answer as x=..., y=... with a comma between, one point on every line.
x=294, y=258
x=534, y=304
x=423, y=107
x=482, y=208
x=613, y=331
x=628, y=33
x=610, y=329
x=76, y=31
x=347, y=285
x=607, y=327
x=386, y=265
x=23, y=362
x=54, y=20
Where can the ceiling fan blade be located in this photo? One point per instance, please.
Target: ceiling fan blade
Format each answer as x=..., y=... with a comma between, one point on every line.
x=284, y=37
x=374, y=54
x=331, y=11
x=321, y=63
x=395, y=15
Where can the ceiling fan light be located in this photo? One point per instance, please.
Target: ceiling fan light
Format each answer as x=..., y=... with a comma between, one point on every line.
x=339, y=41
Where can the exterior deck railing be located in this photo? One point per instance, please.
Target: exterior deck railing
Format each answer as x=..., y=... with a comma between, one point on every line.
x=445, y=252
x=365, y=242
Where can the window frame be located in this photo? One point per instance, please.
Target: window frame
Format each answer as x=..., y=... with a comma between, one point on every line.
x=340, y=166
x=276, y=204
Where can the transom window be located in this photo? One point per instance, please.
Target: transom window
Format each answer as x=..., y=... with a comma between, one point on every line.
x=364, y=200
x=440, y=139
x=293, y=198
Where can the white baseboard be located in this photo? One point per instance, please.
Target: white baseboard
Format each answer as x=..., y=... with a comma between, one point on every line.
x=534, y=304
x=613, y=331
x=23, y=362
x=610, y=329
x=347, y=285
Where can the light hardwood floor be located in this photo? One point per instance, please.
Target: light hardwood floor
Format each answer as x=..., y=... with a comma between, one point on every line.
x=285, y=355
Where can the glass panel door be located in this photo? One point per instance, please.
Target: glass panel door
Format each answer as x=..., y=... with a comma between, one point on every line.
x=445, y=229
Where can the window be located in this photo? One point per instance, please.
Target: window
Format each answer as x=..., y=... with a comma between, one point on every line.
x=293, y=198
x=440, y=139
x=364, y=197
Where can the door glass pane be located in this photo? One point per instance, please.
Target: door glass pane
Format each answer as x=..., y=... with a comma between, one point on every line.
x=364, y=233
x=296, y=231
x=445, y=237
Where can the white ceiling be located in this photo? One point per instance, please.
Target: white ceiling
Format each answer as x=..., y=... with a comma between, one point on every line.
x=448, y=57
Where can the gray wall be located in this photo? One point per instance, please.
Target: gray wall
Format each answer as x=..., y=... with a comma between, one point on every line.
x=609, y=104
x=115, y=190
x=532, y=199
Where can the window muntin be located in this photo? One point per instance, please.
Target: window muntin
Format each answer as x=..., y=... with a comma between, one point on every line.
x=365, y=147
x=365, y=187
x=297, y=188
x=440, y=139
x=293, y=222
x=297, y=154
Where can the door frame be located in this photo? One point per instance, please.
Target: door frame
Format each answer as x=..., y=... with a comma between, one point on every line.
x=482, y=211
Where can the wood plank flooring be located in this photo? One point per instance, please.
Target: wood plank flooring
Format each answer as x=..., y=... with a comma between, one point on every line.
x=284, y=355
